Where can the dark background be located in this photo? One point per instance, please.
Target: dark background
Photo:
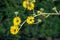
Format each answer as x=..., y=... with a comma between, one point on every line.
x=50, y=27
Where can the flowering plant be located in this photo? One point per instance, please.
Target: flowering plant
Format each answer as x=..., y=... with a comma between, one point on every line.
x=29, y=18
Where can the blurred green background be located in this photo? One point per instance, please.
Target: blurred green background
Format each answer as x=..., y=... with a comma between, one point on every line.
x=46, y=30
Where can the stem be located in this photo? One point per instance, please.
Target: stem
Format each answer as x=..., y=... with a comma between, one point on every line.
x=39, y=15
x=33, y=11
x=47, y=14
x=22, y=24
x=56, y=11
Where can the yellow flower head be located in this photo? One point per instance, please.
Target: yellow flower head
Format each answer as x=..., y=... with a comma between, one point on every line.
x=16, y=21
x=29, y=6
x=14, y=30
x=25, y=4
x=30, y=20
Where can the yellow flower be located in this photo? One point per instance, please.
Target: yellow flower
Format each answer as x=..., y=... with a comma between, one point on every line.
x=30, y=20
x=16, y=21
x=29, y=6
x=14, y=30
x=25, y=4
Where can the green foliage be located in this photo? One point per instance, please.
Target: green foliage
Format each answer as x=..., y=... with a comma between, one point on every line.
x=49, y=26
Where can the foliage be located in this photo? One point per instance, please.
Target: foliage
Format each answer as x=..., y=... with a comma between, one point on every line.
x=48, y=27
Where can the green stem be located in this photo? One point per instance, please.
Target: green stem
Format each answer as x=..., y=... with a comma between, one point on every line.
x=22, y=24
x=47, y=14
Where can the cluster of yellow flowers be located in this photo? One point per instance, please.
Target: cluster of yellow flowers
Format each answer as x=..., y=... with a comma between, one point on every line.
x=29, y=4
x=16, y=21
x=15, y=28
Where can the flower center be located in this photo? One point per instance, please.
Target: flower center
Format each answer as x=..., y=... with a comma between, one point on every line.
x=30, y=19
x=17, y=21
x=14, y=30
